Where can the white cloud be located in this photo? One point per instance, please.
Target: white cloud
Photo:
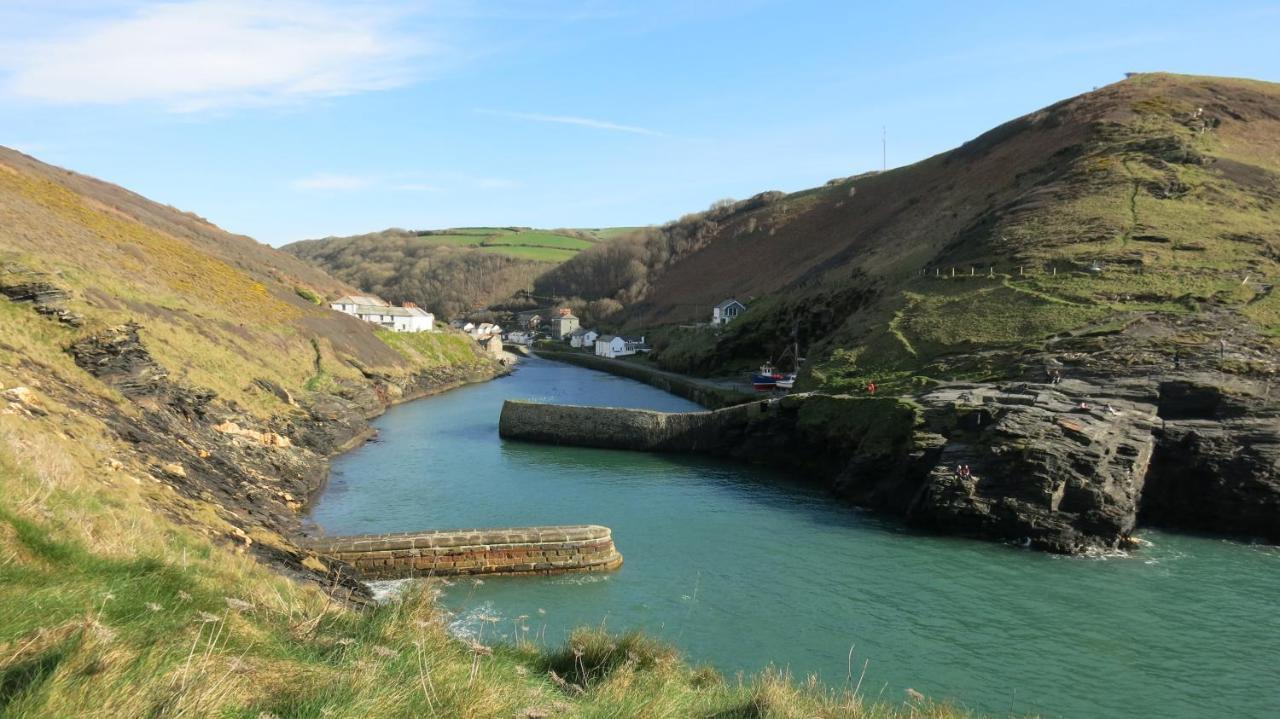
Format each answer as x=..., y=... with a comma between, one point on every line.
x=204, y=54
x=331, y=182
x=575, y=120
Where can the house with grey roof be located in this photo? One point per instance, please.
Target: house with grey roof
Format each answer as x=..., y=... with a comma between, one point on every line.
x=726, y=311
x=374, y=310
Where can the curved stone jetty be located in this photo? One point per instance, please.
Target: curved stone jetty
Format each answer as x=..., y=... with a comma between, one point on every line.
x=452, y=552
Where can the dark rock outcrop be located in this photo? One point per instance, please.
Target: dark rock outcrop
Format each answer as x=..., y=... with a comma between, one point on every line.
x=23, y=285
x=1064, y=467
x=1217, y=464
x=1036, y=463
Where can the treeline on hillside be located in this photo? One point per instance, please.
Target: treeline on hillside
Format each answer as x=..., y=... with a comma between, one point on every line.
x=624, y=269
x=399, y=266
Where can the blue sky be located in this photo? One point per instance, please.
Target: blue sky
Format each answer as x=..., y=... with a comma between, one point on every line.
x=292, y=119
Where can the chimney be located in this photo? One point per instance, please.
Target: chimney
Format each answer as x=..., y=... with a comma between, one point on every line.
x=410, y=305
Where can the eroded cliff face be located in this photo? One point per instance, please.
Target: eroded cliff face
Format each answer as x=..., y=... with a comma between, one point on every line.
x=1066, y=467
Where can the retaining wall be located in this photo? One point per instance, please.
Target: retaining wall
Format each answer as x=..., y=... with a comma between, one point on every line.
x=517, y=550
x=704, y=393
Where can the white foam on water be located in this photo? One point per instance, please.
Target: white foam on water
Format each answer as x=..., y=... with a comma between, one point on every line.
x=580, y=579
x=477, y=623
x=388, y=590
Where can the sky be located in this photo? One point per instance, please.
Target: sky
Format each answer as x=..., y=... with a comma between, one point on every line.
x=295, y=119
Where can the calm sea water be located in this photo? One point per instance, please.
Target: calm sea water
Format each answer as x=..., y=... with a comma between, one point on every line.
x=743, y=567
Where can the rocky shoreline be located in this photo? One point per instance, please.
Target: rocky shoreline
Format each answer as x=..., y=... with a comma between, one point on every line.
x=260, y=477
x=1065, y=467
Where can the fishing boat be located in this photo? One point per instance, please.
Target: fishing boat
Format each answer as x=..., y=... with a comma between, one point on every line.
x=766, y=378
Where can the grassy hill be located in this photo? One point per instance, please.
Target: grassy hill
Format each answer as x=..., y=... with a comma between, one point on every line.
x=450, y=271
x=1143, y=213
x=168, y=394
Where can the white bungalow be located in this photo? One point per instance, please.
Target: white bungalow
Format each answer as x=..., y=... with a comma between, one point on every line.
x=611, y=346
x=409, y=318
x=583, y=338
x=726, y=311
x=615, y=346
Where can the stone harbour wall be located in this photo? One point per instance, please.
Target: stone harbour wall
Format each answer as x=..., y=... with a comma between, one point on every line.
x=517, y=550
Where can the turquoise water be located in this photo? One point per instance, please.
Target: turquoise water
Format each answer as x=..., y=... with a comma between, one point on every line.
x=743, y=567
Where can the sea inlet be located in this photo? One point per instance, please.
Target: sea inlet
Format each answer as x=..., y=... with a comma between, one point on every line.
x=743, y=567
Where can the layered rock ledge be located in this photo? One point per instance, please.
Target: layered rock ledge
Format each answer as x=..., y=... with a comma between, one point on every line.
x=1061, y=467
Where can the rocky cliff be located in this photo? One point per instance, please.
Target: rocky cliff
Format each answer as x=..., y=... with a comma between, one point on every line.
x=1066, y=466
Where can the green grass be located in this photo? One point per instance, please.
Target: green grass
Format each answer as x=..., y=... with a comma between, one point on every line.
x=108, y=608
x=539, y=239
x=541, y=254
x=444, y=348
x=529, y=244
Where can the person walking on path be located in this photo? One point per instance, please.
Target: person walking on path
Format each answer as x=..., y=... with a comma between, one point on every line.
x=871, y=388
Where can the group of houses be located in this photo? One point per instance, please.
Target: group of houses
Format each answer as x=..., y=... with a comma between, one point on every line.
x=486, y=334
x=562, y=325
x=405, y=318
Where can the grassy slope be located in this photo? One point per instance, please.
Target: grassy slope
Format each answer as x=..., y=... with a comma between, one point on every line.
x=120, y=597
x=1170, y=183
x=434, y=269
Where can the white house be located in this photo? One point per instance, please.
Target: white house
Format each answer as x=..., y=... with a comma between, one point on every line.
x=611, y=346
x=563, y=324
x=726, y=311
x=409, y=318
x=614, y=346
x=349, y=303
x=520, y=337
x=463, y=325
x=484, y=329
x=583, y=338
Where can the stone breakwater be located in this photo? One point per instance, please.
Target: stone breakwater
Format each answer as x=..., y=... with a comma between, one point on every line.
x=519, y=550
x=1064, y=468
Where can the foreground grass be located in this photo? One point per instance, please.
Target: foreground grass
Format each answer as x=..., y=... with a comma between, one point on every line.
x=111, y=609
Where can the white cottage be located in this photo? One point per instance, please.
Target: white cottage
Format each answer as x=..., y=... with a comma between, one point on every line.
x=409, y=318
x=583, y=338
x=726, y=311
x=615, y=346
x=611, y=346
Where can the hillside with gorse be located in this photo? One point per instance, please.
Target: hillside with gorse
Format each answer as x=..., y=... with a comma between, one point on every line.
x=169, y=396
x=1144, y=212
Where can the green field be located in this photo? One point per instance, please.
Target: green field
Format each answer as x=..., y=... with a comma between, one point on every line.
x=525, y=243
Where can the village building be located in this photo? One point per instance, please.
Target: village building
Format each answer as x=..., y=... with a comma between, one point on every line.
x=583, y=338
x=407, y=318
x=520, y=337
x=464, y=325
x=616, y=346
x=484, y=329
x=530, y=319
x=726, y=311
x=563, y=324
x=491, y=344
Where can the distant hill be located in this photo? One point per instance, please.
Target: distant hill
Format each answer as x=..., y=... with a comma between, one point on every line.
x=1146, y=211
x=454, y=270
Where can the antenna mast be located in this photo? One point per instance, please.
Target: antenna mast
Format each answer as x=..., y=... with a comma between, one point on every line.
x=884, y=148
